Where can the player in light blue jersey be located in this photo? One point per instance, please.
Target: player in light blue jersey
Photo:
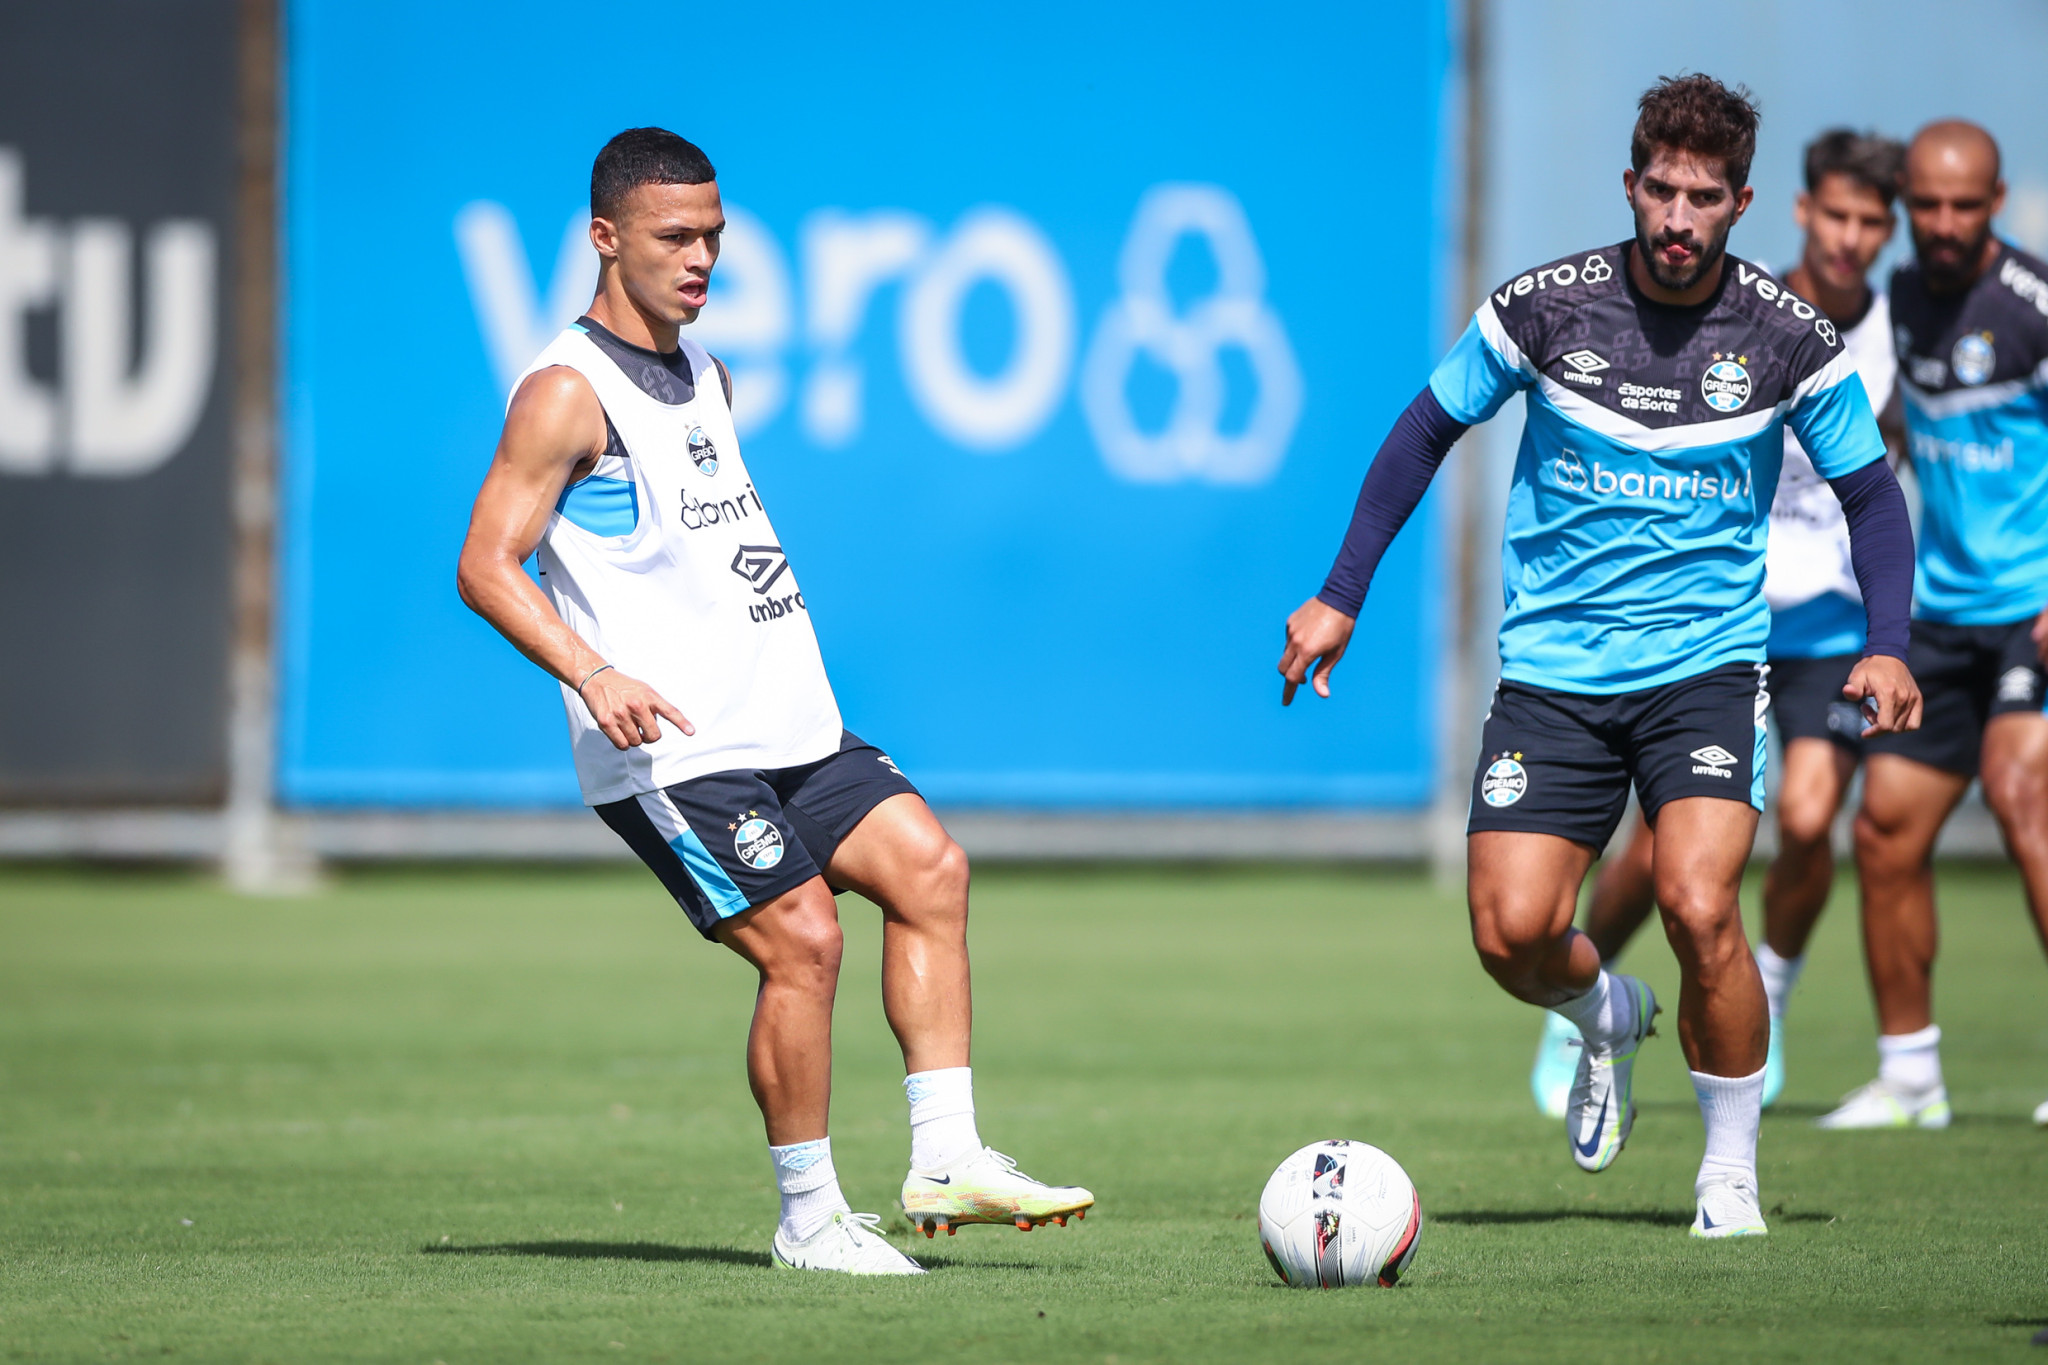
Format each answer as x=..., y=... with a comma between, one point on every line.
x=1971, y=323
x=1846, y=216
x=1659, y=375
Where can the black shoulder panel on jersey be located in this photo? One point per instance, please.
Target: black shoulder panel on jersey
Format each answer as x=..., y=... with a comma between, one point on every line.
x=1991, y=333
x=1530, y=305
x=1594, y=338
x=1800, y=337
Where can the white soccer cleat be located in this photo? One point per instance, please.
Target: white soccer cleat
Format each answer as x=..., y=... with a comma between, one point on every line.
x=1878, y=1105
x=1728, y=1207
x=2041, y=1113
x=984, y=1186
x=848, y=1244
x=1602, y=1107
x=1557, y=1061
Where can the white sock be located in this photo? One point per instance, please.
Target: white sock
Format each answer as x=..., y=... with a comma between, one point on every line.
x=1780, y=975
x=1603, y=1014
x=941, y=1116
x=809, y=1186
x=1732, y=1107
x=1910, y=1062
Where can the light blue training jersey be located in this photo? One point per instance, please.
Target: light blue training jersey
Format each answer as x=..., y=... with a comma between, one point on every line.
x=1633, y=554
x=1973, y=367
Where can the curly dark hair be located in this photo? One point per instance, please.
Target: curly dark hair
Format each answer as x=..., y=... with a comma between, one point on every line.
x=1871, y=161
x=1700, y=115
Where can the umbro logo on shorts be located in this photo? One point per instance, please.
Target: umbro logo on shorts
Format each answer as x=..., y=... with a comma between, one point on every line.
x=2016, y=684
x=1713, y=761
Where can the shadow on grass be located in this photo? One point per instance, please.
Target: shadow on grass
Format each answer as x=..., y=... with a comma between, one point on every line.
x=1663, y=1218
x=662, y=1251
x=606, y=1251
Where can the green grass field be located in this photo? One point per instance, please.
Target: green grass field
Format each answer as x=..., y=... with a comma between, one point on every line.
x=498, y=1115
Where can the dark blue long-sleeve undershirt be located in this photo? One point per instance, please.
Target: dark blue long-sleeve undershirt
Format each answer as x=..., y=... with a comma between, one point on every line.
x=1881, y=553
x=1880, y=535
x=1395, y=483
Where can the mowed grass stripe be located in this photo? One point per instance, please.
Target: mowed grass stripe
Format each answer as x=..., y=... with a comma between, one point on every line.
x=497, y=1115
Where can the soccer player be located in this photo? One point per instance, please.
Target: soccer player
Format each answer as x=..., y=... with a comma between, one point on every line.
x=1971, y=314
x=1816, y=613
x=703, y=727
x=1660, y=375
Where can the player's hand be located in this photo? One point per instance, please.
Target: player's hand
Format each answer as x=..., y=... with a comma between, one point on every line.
x=1890, y=697
x=1316, y=632
x=628, y=710
x=2041, y=636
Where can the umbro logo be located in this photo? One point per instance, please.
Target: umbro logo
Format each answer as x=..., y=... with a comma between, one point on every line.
x=1714, y=761
x=760, y=565
x=1584, y=368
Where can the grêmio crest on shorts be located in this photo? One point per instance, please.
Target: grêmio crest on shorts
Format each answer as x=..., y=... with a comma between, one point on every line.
x=1633, y=554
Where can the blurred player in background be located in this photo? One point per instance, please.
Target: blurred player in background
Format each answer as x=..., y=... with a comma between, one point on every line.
x=663, y=586
x=1971, y=314
x=1816, y=637
x=1660, y=373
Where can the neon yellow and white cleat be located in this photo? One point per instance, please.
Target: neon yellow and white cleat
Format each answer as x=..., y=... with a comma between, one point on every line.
x=1728, y=1207
x=1602, y=1109
x=984, y=1186
x=848, y=1244
x=1878, y=1105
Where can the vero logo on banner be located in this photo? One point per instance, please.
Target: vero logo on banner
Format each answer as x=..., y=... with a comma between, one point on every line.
x=790, y=336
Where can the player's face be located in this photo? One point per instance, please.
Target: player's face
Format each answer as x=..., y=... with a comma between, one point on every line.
x=1952, y=193
x=1684, y=207
x=1846, y=224
x=666, y=243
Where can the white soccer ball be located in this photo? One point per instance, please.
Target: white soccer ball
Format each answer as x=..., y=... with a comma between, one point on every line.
x=1339, y=1213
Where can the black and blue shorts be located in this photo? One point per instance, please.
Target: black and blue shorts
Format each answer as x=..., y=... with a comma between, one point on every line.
x=1807, y=701
x=1561, y=763
x=726, y=842
x=1967, y=675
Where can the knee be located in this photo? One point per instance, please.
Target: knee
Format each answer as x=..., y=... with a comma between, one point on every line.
x=2017, y=794
x=1881, y=846
x=807, y=944
x=1507, y=940
x=946, y=873
x=1804, y=827
x=1705, y=929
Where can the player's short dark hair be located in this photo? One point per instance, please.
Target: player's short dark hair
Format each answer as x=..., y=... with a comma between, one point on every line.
x=644, y=156
x=1874, y=162
x=1700, y=115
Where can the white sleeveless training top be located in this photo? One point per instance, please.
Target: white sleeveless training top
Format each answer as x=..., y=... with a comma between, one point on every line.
x=662, y=558
x=1808, y=550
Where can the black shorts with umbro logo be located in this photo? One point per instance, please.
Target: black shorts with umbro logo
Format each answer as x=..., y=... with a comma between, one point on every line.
x=726, y=842
x=1967, y=675
x=1561, y=763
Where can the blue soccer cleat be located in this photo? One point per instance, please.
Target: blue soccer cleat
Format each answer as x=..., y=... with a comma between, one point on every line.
x=1774, y=1063
x=1557, y=1061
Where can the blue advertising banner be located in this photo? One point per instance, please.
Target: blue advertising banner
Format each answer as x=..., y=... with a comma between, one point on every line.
x=1060, y=340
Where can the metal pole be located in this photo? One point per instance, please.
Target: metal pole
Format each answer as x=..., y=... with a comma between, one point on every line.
x=257, y=854
x=1457, y=696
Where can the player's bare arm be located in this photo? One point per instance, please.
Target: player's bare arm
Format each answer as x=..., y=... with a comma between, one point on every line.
x=554, y=433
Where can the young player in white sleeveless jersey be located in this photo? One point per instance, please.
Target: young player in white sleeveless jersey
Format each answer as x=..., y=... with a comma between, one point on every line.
x=703, y=727
x=1816, y=636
